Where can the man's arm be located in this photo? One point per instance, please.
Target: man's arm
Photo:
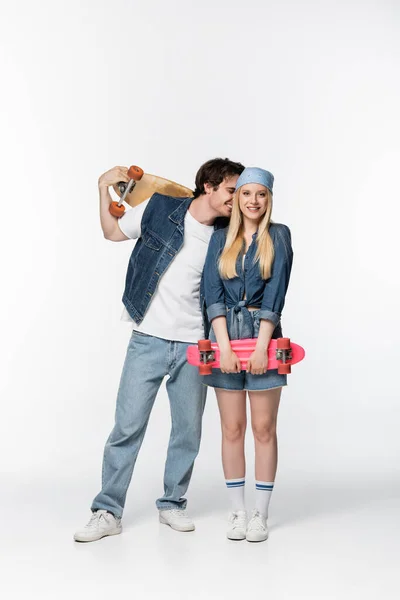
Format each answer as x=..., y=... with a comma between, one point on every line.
x=109, y=224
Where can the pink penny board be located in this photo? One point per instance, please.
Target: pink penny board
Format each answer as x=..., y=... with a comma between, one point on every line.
x=243, y=349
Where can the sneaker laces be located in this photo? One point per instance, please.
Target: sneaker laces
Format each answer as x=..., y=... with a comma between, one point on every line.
x=180, y=513
x=257, y=521
x=96, y=519
x=238, y=520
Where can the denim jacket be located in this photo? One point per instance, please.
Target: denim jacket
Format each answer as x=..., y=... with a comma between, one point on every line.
x=162, y=234
x=224, y=296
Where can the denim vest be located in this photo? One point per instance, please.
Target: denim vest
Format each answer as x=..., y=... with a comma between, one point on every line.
x=162, y=234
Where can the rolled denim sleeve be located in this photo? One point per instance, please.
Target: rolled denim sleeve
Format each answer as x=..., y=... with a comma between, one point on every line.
x=276, y=287
x=213, y=285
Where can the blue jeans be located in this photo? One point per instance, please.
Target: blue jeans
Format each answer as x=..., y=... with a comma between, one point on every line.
x=148, y=360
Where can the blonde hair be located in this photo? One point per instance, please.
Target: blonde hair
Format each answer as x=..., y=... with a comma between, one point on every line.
x=235, y=241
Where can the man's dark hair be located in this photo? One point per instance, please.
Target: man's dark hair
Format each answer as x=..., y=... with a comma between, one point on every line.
x=214, y=172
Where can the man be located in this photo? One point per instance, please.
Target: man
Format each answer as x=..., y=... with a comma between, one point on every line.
x=163, y=299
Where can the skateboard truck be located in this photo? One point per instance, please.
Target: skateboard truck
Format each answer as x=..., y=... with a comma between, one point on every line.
x=135, y=174
x=283, y=353
x=207, y=355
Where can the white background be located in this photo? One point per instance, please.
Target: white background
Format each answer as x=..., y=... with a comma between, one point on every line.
x=309, y=90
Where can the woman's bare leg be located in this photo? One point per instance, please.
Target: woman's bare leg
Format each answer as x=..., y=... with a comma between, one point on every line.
x=264, y=413
x=232, y=410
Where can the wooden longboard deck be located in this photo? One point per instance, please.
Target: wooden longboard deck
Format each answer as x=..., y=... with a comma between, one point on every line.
x=150, y=184
x=243, y=349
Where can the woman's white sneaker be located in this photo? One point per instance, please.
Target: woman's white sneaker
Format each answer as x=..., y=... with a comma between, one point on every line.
x=237, y=525
x=257, y=530
x=101, y=523
x=176, y=518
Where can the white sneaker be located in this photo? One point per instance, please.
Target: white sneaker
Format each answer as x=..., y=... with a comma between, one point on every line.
x=257, y=530
x=237, y=525
x=176, y=518
x=101, y=523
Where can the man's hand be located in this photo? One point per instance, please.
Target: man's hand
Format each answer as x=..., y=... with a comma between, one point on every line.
x=109, y=224
x=258, y=362
x=229, y=362
x=113, y=176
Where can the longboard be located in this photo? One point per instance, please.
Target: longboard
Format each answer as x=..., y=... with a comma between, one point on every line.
x=148, y=185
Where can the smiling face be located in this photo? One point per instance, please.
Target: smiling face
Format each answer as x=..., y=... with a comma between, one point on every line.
x=221, y=197
x=253, y=201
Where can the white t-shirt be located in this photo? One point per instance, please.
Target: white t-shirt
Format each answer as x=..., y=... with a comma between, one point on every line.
x=174, y=312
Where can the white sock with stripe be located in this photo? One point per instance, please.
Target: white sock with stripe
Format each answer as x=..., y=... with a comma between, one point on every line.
x=263, y=496
x=236, y=493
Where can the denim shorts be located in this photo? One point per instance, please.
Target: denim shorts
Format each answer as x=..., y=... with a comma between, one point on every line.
x=239, y=327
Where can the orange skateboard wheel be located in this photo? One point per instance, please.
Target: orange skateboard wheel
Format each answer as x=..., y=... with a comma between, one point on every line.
x=135, y=173
x=204, y=345
x=205, y=370
x=117, y=211
x=283, y=343
x=284, y=369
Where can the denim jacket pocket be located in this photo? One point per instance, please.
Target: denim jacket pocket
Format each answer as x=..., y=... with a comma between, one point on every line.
x=151, y=240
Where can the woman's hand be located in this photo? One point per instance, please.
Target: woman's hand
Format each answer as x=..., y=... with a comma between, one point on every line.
x=229, y=362
x=258, y=362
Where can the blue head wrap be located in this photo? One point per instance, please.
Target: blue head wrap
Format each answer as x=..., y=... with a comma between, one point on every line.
x=255, y=175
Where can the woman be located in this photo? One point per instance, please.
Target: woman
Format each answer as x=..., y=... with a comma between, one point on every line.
x=246, y=277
